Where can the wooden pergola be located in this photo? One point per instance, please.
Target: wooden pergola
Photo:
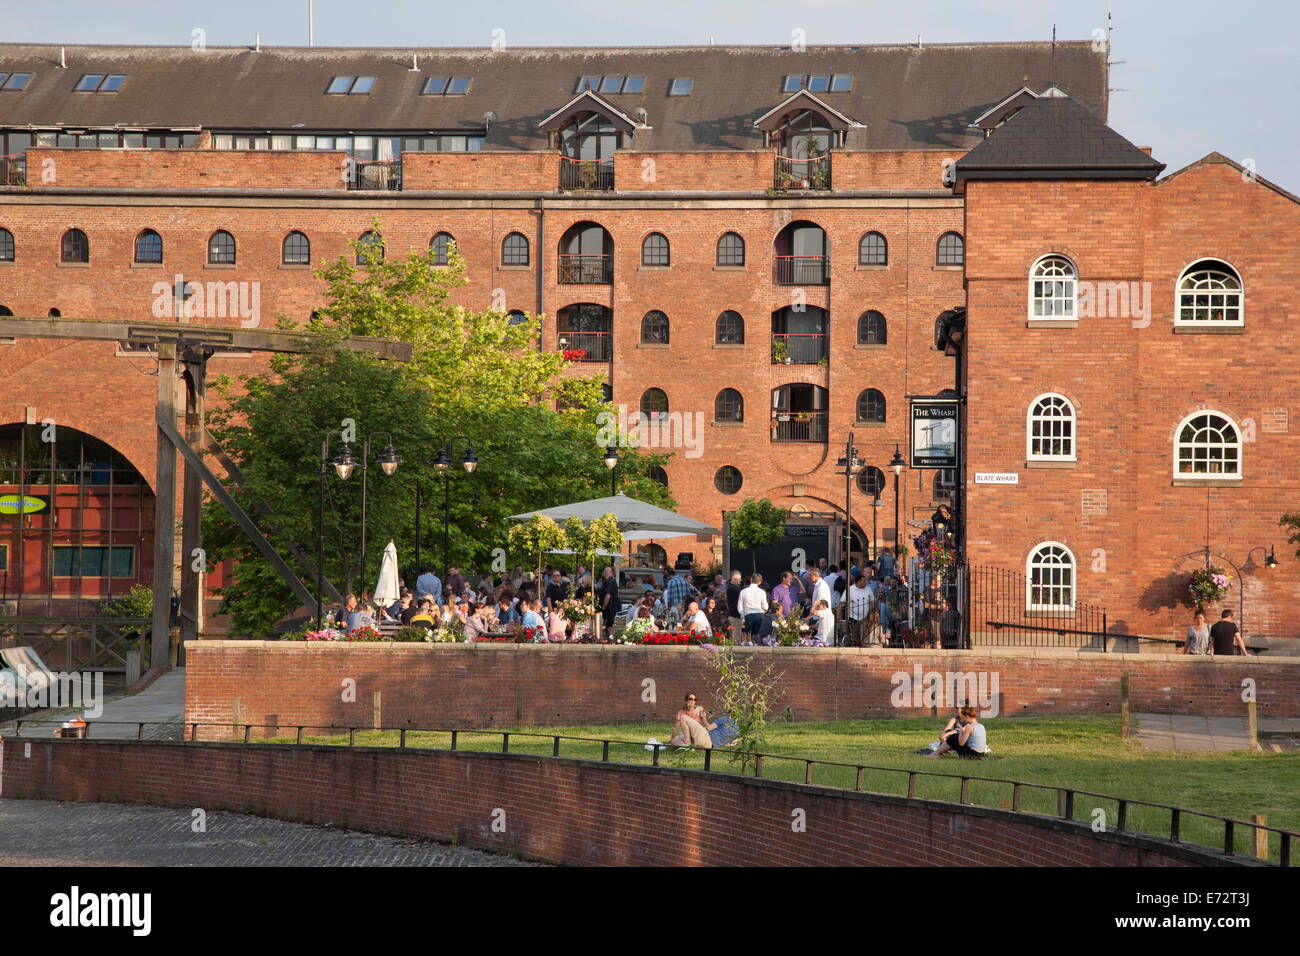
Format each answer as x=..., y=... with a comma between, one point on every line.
x=183, y=351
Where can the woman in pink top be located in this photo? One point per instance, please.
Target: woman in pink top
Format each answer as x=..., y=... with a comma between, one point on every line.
x=556, y=627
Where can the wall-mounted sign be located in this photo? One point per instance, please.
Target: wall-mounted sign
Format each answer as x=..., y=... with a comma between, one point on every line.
x=934, y=433
x=20, y=504
x=997, y=478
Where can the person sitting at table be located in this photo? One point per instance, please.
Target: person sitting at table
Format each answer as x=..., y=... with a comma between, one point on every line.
x=479, y=622
x=715, y=612
x=532, y=622
x=771, y=621
x=557, y=628
x=365, y=617
x=696, y=620
x=424, y=616
x=409, y=607
x=505, y=609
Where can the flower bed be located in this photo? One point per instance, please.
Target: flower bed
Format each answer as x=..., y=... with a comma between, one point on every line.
x=680, y=638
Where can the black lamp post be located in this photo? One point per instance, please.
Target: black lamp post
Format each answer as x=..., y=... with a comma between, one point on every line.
x=388, y=462
x=849, y=465
x=344, y=465
x=876, y=505
x=468, y=461
x=611, y=462
x=896, y=465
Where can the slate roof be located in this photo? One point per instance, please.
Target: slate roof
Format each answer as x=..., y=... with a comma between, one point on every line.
x=908, y=98
x=1052, y=136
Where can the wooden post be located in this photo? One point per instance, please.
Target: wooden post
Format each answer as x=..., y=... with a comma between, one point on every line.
x=1123, y=705
x=1261, y=836
x=164, y=533
x=192, y=502
x=1252, y=725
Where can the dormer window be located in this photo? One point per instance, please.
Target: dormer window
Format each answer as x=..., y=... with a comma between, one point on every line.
x=681, y=86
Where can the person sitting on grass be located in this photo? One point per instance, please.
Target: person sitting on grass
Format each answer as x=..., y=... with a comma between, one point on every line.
x=968, y=738
x=694, y=729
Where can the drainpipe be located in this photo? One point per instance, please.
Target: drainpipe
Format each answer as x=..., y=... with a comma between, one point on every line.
x=540, y=205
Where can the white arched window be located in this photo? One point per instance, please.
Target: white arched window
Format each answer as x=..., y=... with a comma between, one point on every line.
x=1053, y=289
x=1049, y=574
x=1050, y=429
x=1209, y=294
x=1208, y=445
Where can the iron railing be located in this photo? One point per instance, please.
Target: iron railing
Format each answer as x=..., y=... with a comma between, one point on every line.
x=587, y=173
x=814, y=173
x=13, y=170
x=587, y=346
x=801, y=270
x=1007, y=609
x=583, y=269
x=800, y=348
x=798, y=426
x=1015, y=796
x=378, y=174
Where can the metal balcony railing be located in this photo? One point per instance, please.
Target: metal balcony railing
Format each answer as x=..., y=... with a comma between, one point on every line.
x=812, y=173
x=587, y=173
x=586, y=346
x=577, y=269
x=800, y=348
x=798, y=426
x=378, y=174
x=13, y=170
x=801, y=270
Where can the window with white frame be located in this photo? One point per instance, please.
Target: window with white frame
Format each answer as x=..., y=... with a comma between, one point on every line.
x=1208, y=446
x=1050, y=578
x=1209, y=294
x=1051, y=429
x=1053, y=289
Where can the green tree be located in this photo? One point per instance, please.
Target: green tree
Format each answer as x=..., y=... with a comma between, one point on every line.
x=533, y=428
x=534, y=538
x=756, y=524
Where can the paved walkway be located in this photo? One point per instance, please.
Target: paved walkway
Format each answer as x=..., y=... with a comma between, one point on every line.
x=1184, y=732
x=45, y=833
x=162, y=704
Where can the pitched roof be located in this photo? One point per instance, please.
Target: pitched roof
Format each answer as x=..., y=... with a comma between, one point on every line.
x=906, y=97
x=804, y=100
x=1248, y=175
x=1056, y=137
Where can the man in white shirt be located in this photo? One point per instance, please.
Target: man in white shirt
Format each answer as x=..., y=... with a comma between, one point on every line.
x=825, y=620
x=696, y=619
x=820, y=589
x=752, y=605
x=830, y=579
x=861, y=600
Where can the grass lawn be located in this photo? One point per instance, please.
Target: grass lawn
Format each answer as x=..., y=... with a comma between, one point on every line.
x=1083, y=753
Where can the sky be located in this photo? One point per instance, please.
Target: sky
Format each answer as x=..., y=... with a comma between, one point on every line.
x=1197, y=75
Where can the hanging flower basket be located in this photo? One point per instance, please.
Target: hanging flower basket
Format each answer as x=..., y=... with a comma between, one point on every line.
x=1209, y=585
x=938, y=558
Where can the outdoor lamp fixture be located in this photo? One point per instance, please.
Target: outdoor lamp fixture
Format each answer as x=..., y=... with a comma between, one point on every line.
x=896, y=464
x=1271, y=561
x=611, y=462
x=468, y=461
x=388, y=462
x=849, y=465
x=937, y=519
x=344, y=464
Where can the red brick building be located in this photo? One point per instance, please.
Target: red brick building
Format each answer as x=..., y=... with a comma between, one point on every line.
x=761, y=237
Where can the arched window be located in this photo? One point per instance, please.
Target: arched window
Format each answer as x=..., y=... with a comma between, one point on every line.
x=731, y=250
x=658, y=474
x=1208, y=446
x=1209, y=293
x=654, y=250
x=5, y=310
x=1049, y=574
x=873, y=250
x=368, y=241
x=75, y=247
x=871, y=328
x=296, y=250
x=871, y=406
x=802, y=255
x=1053, y=289
x=516, y=317
x=514, y=250
x=654, y=328
x=148, y=247
x=441, y=245
x=951, y=250
x=221, y=249
x=1050, y=434
x=728, y=480
x=654, y=404
x=728, y=406
x=730, y=329
x=871, y=481
x=586, y=255
x=55, y=314
x=6, y=246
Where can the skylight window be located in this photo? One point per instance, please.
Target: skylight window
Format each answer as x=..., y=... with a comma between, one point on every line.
x=458, y=86
x=610, y=84
x=14, y=81
x=634, y=84
x=613, y=83
x=435, y=86
x=681, y=86
x=819, y=83
x=587, y=83
x=99, y=83
x=351, y=84
x=841, y=82
x=793, y=84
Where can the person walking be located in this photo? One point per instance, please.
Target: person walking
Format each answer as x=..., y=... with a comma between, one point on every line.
x=1198, y=635
x=1226, y=637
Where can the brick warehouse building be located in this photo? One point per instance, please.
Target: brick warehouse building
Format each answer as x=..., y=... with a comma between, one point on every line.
x=782, y=221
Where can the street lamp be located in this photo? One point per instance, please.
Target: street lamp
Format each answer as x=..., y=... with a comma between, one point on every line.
x=876, y=505
x=344, y=465
x=468, y=461
x=939, y=521
x=849, y=465
x=611, y=462
x=897, y=465
x=388, y=462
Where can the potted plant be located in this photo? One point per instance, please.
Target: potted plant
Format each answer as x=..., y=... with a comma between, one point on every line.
x=781, y=352
x=1209, y=586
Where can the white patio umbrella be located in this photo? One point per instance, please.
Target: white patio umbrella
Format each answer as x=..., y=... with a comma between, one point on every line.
x=638, y=520
x=386, y=589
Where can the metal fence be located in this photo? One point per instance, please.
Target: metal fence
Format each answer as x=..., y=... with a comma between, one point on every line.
x=587, y=173
x=79, y=643
x=1179, y=825
x=1007, y=608
x=379, y=174
x=814, y=173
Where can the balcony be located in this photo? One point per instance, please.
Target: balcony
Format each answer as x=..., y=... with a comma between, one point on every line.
x=584, y=269
x=589, y=174
x=801, y=270
x=800, y=348
x=798, y=426
x=586, y=346
x=13, y=170
x=812, y=173
x=379, y=174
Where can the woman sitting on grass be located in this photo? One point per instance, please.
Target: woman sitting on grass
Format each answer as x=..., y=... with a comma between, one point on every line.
x=693, y=728
x=967, y=738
